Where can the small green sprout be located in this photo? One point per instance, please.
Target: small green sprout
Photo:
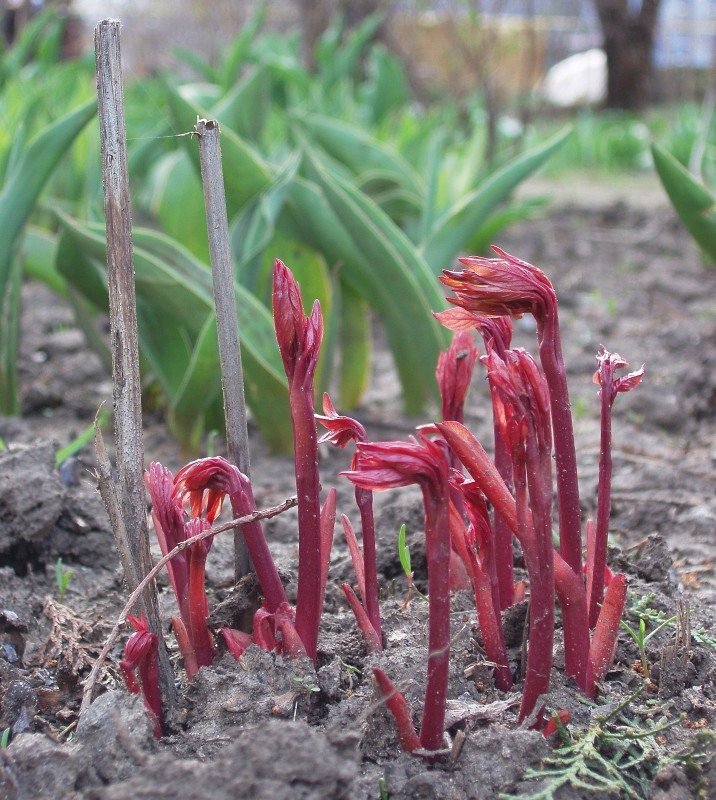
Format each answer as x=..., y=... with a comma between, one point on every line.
x=5, y=739
x=404, y=556
x=641, y=609
x=62, y=577
x=644, y=614
x=81, y=441
x=307, y=686
x=352, y=671
x=350, y=668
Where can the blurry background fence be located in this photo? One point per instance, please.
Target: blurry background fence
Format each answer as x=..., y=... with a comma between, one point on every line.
x=453, y=45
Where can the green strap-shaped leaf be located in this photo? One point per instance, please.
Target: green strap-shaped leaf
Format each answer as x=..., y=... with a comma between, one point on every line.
x=486, y=234
x=254, y=227
x=193, y=394
x=27, y=178
x=692, y=201
x=175, y=199
x=360, y=152
x=400, y=204
x=9, y=336
x=453, y=229
x=47, y=24
x=201, y=65
x=239, y=50
x=197, y=391
x=37, y=255
x=379, y=262
x=354, y=338
x=338, y=51
x=174, y=297
x=387, y=87
x=244, y=107
x=433, y=158
x=246, y=174
x=23, y=184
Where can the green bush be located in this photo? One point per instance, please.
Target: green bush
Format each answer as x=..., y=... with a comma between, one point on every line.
x=366, y=196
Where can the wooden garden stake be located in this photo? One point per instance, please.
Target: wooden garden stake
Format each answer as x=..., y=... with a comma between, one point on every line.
x=227, y=323
x=123, y=332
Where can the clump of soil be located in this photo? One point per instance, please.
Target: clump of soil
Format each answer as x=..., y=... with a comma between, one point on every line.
x=265, y=726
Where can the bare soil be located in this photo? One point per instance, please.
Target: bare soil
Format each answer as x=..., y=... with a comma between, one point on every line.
x=628, y=277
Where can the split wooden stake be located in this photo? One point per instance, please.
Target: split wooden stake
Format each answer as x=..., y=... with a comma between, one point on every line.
x=123, y=332
x=227, y=320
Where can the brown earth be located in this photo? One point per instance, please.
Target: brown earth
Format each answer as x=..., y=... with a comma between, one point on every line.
x=628, y=277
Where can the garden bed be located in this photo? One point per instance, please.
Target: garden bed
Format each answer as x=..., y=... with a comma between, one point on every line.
x=267, y=727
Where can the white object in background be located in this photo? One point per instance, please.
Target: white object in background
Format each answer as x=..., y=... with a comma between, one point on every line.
x=579, y=80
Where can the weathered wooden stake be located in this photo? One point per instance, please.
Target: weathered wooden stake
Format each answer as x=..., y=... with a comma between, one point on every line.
x=227, y=323
x=123, y=330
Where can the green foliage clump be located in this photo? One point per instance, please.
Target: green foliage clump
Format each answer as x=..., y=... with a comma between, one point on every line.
x=618, y=755
x=366, y=195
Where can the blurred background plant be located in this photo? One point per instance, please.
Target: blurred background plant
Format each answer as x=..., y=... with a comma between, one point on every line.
x=364, y=175
x=691, y=183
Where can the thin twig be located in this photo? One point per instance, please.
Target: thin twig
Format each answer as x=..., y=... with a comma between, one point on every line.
x=91, y=680
x=227, y=320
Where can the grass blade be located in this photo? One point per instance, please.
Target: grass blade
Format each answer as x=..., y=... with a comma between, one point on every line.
x=458, y=224
x=382, y=266
x=692, y=201
x=359, y=151
x=22, y=187
x=174, y=297
x=354, y=345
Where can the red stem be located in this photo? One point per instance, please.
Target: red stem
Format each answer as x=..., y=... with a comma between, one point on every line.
x=328, y=524
x=598, y=558
x=498, y=338
x=569, y=587
x=356, y=555
x=398, y=707
x=364, y=501
x=149, y=675
x=501, y=531
x=186, y=647
x=573, y=602
x=308, y=488
x=490, y=624
x=437, y=538
x=570, y=514
x=604, y=641
x=242, y=503
x=198, y=608
x=481, y=468
x=542, y=591
x=539, y=656
x=292, y=642
x=370, y=635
